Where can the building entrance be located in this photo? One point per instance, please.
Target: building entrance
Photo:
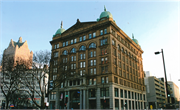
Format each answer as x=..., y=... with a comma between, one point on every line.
x=74, y=99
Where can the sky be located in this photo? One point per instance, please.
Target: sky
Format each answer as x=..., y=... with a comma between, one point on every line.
x=154, y=23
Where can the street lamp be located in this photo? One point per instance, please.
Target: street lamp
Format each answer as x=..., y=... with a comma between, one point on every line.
x=164, y=73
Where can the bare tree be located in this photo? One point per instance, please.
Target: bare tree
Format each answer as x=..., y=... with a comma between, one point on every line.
x=36, y=79
x=10, y=77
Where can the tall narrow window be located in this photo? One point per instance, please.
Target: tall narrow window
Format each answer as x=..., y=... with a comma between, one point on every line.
x=75, y=40
x=101, y=32
x=66, y=43
x=63, y=44
x=80, y=39
x=84, y=38
x=113, y=42
x=90, y=36
x=105, y=31
x=94, y=34
x=71, y=41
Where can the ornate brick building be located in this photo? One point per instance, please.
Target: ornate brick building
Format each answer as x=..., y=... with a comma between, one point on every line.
x=19, y=51
x=109, y=64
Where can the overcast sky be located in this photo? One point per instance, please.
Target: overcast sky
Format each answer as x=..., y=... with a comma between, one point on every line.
x=156, y=25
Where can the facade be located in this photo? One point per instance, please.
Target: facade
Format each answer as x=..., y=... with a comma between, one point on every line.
x=155, y=92
x=175, y=90
x=108, y=62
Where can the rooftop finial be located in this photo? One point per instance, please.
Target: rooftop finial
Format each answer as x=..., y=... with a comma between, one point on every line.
x=132, y=35
x=20, y=40
x=61, y=24
x=104, y=8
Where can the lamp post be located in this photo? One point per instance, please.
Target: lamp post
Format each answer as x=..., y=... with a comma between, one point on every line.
x=164, y=73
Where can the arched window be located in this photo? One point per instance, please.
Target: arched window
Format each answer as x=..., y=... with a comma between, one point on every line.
x=73, y=50
x=92, y=45
x=82, y=48
x=122, y=49
x=65, y=52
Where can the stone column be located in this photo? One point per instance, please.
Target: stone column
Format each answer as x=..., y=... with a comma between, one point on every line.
x=98, y=102
x=87, y=99
x=111, y=95
x=57, y=99
x=68, y=100
x=81, y=99
x=84, y=99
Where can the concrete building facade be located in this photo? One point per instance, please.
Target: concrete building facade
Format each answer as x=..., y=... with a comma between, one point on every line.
x=175, y=90
x=155, y=92
x=108, y=62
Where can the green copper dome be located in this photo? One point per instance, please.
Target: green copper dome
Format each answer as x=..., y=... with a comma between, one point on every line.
x=105, y=14
x=135, y=40
x=59, y=31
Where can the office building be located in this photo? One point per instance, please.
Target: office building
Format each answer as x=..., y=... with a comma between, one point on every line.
x=155, y=92
x=108, y=62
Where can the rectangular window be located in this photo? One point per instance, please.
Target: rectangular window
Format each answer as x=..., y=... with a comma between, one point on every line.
x=114, y=52
x=125, y=93
x=63, y=44
x=107, y=80
x=81, y=64
x=101, y=32
x=90, y=36
x=82, y=56
x=104, y=92
x=75, y=40
x=75, y=66
x=94, y=53
x=94, y=34
x=129, y=94
x=55, y=54
x=119, y=64
x=53, y=95
x=84, y=38
x=94, y=82
x=80, y=39
x=71, y=41
x=116, y=92
x=119, y=55
x=115, y=80
x=90, y=81
x=54, y=77
x=102, y=80
x=103, y=42
x=94, y=70
x=80, y=73
x=66, y=43
x=113, y=42
x=94, y=62
x=55, y=62
x=84, y=64
x=105, y=31
x=103, y=51
x=121, y=93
